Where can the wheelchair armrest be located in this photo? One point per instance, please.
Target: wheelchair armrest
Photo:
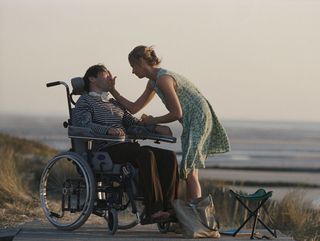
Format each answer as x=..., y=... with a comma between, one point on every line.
x=145, y=132
x=86, y=133
x=169, y=139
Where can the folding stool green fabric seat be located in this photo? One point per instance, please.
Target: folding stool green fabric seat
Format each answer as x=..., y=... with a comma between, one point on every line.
x=260, y=197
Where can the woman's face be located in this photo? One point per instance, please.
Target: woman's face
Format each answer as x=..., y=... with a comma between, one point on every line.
x=138, y=70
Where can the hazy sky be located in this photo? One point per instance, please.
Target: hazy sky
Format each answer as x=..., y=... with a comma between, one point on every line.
x=252, y=59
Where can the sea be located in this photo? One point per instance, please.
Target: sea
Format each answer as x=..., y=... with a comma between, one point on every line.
x=253, y=143
x=258, y=145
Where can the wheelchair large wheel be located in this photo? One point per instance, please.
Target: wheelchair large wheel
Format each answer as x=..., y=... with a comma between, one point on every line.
x=67, y=191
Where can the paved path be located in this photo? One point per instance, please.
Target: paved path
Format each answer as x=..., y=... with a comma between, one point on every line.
x=44, y=231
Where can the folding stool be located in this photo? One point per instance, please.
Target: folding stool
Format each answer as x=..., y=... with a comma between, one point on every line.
x=260, y=197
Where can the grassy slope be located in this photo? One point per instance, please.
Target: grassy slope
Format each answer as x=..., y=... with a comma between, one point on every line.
x=21, y=162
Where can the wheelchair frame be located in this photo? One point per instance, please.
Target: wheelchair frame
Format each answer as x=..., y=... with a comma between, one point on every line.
x=72, y=188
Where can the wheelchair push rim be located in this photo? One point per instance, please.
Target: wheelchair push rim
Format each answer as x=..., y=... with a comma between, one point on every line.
x=67, y=191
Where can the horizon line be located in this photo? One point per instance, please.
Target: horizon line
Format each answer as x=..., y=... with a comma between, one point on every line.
x=58, y=116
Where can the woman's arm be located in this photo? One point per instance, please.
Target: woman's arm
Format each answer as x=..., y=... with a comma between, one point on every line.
x=142, y=101
x=167, y=86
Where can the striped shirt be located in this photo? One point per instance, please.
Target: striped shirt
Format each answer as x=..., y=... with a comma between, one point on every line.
x=91, y=112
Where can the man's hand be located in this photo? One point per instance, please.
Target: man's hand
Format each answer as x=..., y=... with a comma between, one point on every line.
x=116, y=132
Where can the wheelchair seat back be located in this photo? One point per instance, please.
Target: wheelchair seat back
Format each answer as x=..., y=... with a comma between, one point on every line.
x=78, y=86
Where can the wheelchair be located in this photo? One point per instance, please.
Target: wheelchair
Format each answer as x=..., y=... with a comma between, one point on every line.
x=80, y=182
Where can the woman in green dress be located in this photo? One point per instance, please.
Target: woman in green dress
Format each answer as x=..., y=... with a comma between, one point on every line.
x=202, y=134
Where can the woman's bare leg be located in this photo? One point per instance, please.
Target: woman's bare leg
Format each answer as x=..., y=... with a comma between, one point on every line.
x=193, y=185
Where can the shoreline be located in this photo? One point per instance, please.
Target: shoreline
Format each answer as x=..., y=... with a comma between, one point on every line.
x=266, y=168
x=261, y=176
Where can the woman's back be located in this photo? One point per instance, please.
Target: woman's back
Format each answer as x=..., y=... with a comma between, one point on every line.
x=188, y=94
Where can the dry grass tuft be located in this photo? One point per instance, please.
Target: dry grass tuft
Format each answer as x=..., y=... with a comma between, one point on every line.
x=16, y=202
x=23, y=146
x=296, y=217
x=21, y=162
x=12, y=187
x=16, y=213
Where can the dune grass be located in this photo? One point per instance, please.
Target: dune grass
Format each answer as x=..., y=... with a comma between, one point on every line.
x=23, y=146
x=12, y=187
x=21, y=162
x=295, y=216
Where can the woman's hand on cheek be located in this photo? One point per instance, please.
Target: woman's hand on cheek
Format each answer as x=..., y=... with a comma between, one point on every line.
x=113, y=82
x=112, y=87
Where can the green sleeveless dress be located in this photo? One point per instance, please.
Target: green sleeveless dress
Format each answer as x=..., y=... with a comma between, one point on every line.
x=202, y=134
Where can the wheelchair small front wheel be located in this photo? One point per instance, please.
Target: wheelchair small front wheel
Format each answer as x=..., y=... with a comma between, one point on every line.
x=127, y=219
x=164, y=227
x=112, y=220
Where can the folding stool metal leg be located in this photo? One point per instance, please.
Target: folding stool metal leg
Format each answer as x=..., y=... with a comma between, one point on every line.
x=254, y=213
x=261, y=196
x=256, y=217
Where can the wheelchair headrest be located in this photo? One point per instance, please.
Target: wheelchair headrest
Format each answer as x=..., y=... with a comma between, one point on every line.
x=77, y=86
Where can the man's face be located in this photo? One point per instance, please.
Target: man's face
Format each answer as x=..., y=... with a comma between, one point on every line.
x=104, y=80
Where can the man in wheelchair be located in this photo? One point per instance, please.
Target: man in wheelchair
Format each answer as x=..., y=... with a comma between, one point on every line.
x=158, y=169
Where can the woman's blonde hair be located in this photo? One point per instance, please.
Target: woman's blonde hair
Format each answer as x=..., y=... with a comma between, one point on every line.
x=147, y=53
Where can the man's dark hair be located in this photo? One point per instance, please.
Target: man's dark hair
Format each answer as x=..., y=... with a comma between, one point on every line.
x=93, y=71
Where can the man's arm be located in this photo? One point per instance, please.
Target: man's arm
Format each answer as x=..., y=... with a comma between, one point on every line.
x=129, y=120
x=82, y=117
